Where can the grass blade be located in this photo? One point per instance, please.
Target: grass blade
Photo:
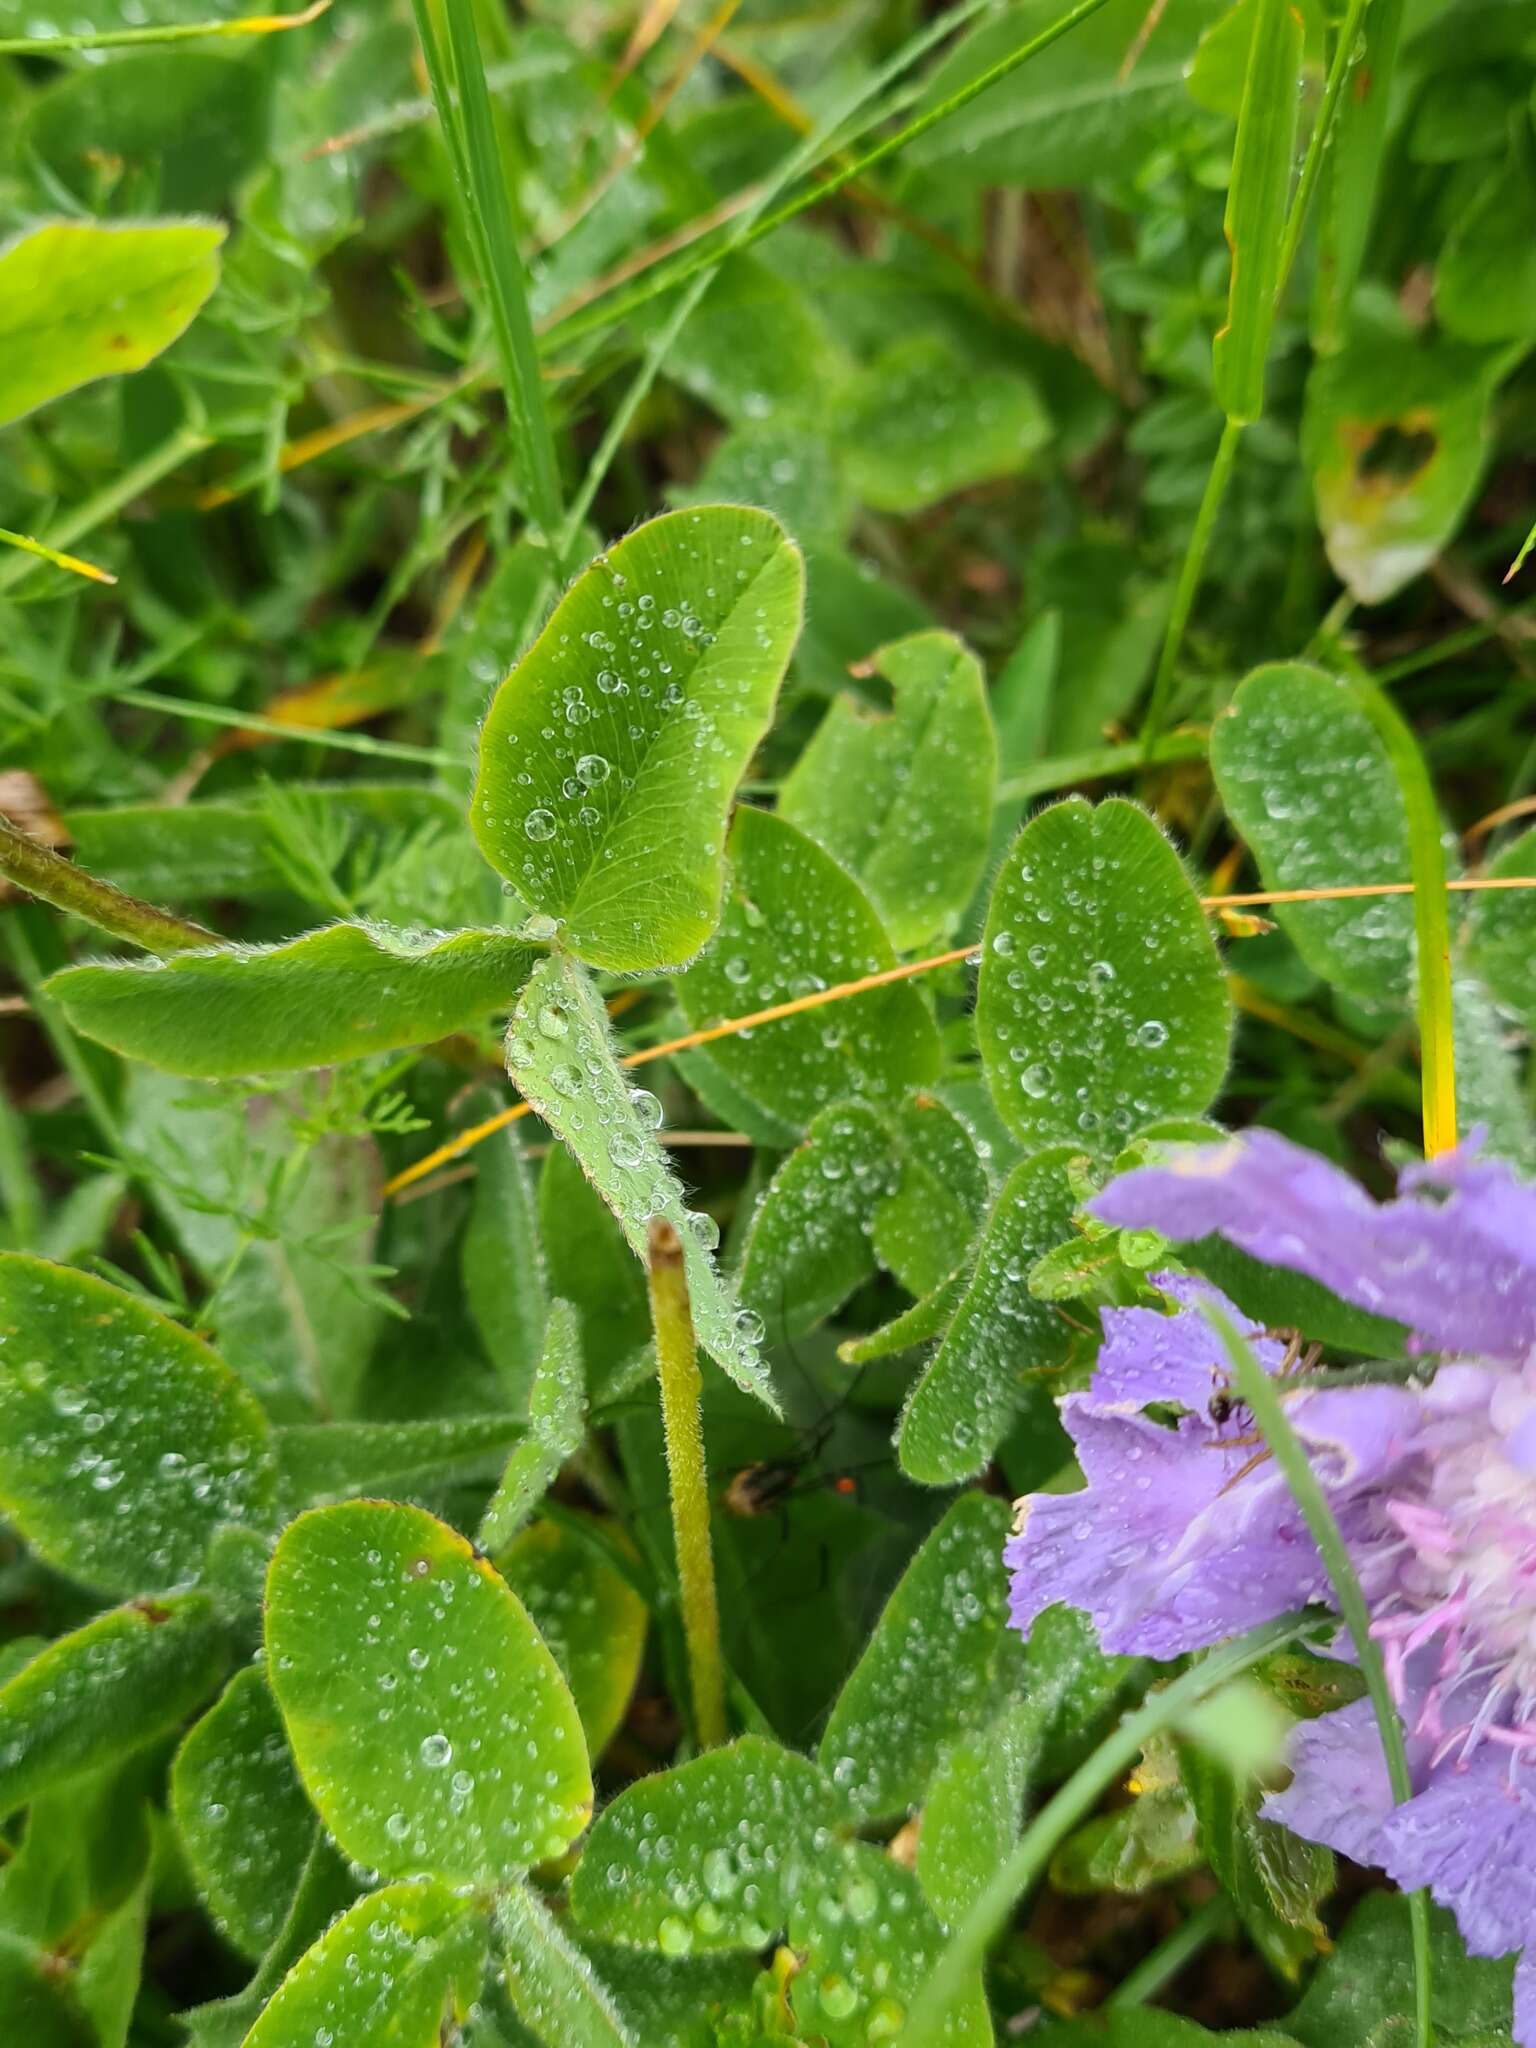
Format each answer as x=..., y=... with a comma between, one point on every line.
x=1437, y=1044
x=470, y=135
x=1071, y=1804
x=1259, y=1393
x=1255, y=217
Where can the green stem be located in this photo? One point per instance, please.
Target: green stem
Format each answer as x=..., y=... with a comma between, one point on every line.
x=1072, y=1803
x=1431, y=919
x=677, y=1370
x=1189, y=578
x=1345, y=57
x=42, y=872
x=170, y=32
x=279, y=729
x=469, y=131
x=73, y=1057
x=605, y=312
x=104, y=503
x=1209, y=1922
x=1121, y=758
x=1262, y=1398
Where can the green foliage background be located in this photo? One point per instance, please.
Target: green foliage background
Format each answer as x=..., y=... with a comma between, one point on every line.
x=530, y=536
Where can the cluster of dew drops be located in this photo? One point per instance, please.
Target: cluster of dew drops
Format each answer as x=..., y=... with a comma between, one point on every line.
x=1073, y=1011
x=646, y=659
x=643, y=1184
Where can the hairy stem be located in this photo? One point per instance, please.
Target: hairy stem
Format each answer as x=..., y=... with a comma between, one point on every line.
x=677, y=1369
x=44, y=873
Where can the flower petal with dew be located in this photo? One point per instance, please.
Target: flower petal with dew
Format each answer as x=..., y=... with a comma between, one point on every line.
x=1454, y=1257
x=1185, y=1533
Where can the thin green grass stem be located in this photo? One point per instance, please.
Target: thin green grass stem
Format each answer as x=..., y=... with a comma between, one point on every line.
x=469, y=133
x=605, y=312
x=1188, y=585
x=1072, y=1803
x=101, y=506
x=1346, y=54
x=1259, y=1393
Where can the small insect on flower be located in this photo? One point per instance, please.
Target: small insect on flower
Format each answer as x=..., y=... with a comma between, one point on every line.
x=1182, y=1536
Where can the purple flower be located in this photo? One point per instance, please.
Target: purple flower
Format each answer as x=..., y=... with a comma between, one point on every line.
x=1185, y=1532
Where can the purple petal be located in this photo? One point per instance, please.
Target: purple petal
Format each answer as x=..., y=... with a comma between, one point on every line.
x=1172, y=1545
x=1470, y=1838
x=1178, y=1359
x=1340, y=1794
x=1358, y=1436
x=1461, y=1271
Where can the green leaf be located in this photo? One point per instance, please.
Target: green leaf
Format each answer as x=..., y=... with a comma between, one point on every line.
x=903, y=798
x=1101, y=1003
x=588, y=1613
x=380, y=1616
x=502, y=1259
x=560, y=1053
x=995, y=1365
x=971, y=1814
x=556, y=1425
x=870, y=1941
x=1501, y=933
x=186, y=123
x=393, y=1971
x=809, y=1245
x=1276, y=1881
x=37, y=2000
x=331, y=995
x=1136, y=1847
x=924, y=1675
x=1293, y=754
x=1145, y=2027
x=292, y=1318
x=796, y=922
x=913, y=432
x=328, y=1461
x=236, y=845
x=1490, y=1090
x=1219, y=71
x=550, y=1982
x=104, y=1691
x=1256, y=207
x=919, y=1324
x=1395, y=435
x=757, y=349
x=245, y=1825
x=1076, y=114
x=707, y=1856
x=925, y=1227
x=85, y=299
x=609, y=756
x=1362, y=1995
x=1485, y=285
x=124, y=1440
x=1280, y=1300
x=325, y=1891
x=591, y=1265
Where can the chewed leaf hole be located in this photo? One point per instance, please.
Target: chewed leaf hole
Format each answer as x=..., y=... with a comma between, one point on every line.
x=1396, y=454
